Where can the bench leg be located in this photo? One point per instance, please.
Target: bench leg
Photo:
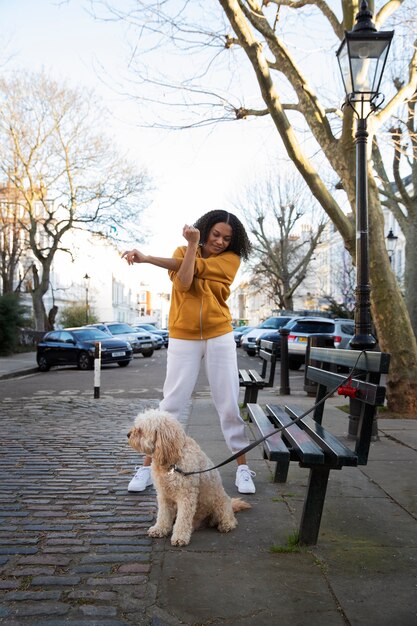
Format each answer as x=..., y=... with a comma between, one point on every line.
x=281, y=471
x=313, y=505
x=251, y=395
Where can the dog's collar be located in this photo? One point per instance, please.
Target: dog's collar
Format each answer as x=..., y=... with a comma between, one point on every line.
x=174, y=468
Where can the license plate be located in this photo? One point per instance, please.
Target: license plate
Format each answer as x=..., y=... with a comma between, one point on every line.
x=302, y=339
x=116, y=354
x=146, y=345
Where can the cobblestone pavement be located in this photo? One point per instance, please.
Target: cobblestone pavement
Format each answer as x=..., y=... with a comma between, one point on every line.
x=73, y=543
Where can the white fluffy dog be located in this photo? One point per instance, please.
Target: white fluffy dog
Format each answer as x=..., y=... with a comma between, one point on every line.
x=184, y=502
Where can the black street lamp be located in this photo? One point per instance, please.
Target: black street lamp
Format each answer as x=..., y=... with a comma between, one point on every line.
x=87, y=282
x=362, y=56
x=391, y=244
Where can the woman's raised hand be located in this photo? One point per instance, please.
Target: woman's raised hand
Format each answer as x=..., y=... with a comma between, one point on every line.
x=134, y=256
x=191, y=234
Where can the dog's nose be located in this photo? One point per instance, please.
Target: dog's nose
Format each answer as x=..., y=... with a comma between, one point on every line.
x=128, y=434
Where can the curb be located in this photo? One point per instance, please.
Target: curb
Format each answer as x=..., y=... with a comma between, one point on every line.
x=32, y=370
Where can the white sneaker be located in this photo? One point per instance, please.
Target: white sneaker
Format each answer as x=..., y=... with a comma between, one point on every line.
x=141, y=479
x=244, y=482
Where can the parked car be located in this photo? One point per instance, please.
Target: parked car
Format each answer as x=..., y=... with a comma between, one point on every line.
x=339, y=329
x=157, y=340
x=141, y=342
x=275, y=336
x=248, y=342
x=239, y=332
x=154, y=330
x=76, y=346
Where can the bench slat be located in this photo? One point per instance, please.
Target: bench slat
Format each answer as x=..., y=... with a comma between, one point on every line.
x=369, y=393
x=256, y=377
x=340, y=454
x=268, y=356
x=369, y=361
x=274, y=447
x=275, y=444
x=244, y=375
x=307, y=450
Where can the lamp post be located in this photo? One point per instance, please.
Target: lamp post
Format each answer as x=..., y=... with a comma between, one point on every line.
x=87, y=282
x=391, y=244
x=362, y=56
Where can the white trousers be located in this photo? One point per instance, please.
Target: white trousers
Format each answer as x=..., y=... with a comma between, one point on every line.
x=183, y=366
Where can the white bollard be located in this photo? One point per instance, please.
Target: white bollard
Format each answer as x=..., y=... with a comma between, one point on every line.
x=97, y=369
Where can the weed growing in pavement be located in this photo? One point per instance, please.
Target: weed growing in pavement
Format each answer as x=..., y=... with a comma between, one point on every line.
x=293, y=545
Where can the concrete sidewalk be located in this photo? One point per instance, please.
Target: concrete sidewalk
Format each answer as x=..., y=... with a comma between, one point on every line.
x=18, y=364
x=74, y=550
x=363, y=570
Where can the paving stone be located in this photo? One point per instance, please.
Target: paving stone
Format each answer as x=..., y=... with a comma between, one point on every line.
x=18, y=550
x=41, y=608
x=54, y=581
x=117, y=580
x=97, y=611
x=32, y=571
x=33, y=595
x=9, y=584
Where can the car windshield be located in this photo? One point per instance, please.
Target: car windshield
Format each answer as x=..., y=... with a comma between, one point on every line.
x=147, y=326
x=90, y=334
x=274, y=322
x=118, y=329
x=313, y=327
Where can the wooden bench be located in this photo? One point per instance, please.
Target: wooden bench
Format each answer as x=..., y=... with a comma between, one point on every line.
x=253, y=380
x=307, y=442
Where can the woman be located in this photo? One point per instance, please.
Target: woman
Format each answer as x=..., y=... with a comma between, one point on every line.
x=200, y=327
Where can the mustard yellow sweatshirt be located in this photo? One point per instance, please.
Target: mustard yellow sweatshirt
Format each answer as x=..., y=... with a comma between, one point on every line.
x=201, y=311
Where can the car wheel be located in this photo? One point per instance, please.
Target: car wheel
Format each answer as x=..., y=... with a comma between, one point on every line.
x=43, y=364
x=294, y=365
x=147, y=353
x=251, y=352
x=84, y=361
x=123, y=363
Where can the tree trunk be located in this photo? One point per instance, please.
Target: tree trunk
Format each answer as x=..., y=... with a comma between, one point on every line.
x=410, y=275
x=390, y=316
x=40, y=287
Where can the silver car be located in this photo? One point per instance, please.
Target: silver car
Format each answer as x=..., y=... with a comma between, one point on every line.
x=141, y=342
x=340, y=330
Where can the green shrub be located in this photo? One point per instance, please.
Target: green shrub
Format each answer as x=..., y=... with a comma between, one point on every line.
x=13, y=316
x=75, y=316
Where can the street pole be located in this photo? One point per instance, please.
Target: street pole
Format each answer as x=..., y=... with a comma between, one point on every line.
x=363, y=338
x=86, y=278
x=86, y=304
x=362, y=55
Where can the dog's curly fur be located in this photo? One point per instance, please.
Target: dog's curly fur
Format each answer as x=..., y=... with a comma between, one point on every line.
x=184, y=502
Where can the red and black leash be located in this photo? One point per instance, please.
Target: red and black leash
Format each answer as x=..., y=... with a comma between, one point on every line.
x=344, y=387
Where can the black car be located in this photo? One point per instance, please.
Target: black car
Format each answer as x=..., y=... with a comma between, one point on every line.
x=76, y=346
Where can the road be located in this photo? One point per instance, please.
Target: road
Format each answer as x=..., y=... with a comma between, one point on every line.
x=143, y=378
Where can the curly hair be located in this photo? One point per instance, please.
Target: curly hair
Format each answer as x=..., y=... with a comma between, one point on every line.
x=239, y=244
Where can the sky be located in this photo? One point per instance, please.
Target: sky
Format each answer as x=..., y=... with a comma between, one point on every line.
x=192, y=171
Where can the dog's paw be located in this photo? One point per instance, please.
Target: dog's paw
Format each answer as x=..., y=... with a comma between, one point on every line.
x=176, y=540
x=226, y=527
x=157, y=531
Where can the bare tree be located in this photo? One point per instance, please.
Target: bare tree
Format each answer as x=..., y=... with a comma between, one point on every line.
x=65, y=174
x=282, y=83
x=398, y=188
x=12, y=245
x=274, y=211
